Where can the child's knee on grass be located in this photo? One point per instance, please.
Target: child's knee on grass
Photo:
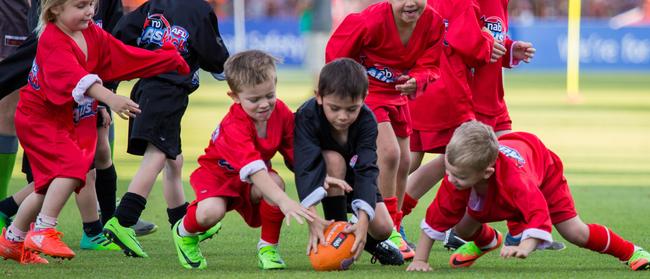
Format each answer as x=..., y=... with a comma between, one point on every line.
x=210, y=211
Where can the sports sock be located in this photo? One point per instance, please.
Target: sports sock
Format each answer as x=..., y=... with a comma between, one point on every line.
x=8, y=207
x=272, y=218
x=93, y=228
x=408, y=204
x=106, y=188
x=371, y=243
x=484, y=237
x=261, y=244
x=190, y=224
x=130, y=209
x=335, y=208
x=182, y=231
x=14, y=234
x=605, y=241
x=8, y=149
x=44, y=222
x=391, y=205
x=175, y=214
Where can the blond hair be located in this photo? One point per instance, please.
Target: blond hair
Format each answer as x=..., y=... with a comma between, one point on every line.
x=473, y=145
x=46, y=14
x=249, y=68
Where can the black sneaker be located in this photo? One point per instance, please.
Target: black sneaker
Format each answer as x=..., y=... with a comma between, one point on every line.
x=452, y=241
x=386, y=254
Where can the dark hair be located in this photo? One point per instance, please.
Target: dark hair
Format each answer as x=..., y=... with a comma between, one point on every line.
x=343, y=77
x=249, y=68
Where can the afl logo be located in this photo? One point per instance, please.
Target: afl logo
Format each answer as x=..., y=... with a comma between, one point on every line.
x=496, y=26
x=32, y=78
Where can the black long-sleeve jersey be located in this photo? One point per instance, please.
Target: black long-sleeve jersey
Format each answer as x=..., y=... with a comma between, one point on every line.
x=313, y=135
x=190, y=25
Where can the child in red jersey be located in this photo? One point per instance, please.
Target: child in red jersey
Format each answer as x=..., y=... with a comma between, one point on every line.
x=55, y=118
x=399, y=44
x=235, y=172
x=514, y=178
x=447, y=103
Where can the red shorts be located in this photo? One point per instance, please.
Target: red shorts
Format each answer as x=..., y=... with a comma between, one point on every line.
x=557, y=194
x=56, y=148
x=207, y=184
x=431, y=141
x=501, y=122
x=398, y=116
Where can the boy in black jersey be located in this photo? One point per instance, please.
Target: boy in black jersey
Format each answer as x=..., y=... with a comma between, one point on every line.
x=336, y=160
x=191, y=26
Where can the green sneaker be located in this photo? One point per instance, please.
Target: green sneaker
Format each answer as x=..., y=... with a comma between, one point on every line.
x=97, y=243
x=4, y=221
x=269, y=258
x=187, y=248
x=209, y=233
x=398, y=242
x=468, y=253
x=124, y=237
x=640, y=260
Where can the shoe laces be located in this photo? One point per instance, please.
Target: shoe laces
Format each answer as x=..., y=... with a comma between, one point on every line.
x=272, y=253
x=53, y=235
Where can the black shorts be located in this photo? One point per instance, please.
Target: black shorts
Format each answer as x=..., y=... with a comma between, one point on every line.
x=27, y=169
x=163, y=105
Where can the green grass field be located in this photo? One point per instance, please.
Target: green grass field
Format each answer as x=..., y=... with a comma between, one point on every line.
x=604, y=142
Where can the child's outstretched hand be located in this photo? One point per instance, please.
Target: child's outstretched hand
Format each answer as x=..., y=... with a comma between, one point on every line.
x=123, y=106
x=360, y=231
x=292, y=209
x=406, y=85
x=417, y=265
x=513, y=252
x=316, y=236
x=498, y=50
x=523, y=51
x=335, y=182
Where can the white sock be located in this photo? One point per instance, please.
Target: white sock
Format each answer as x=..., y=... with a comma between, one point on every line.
x=261, y=244
x=14, y=234
x=182, y=231
x=44, y=222
x=491, y=245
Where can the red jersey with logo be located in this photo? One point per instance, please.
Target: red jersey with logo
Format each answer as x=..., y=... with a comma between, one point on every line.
x=371, y=38
x=236, y=150
x=50, y=123
x=487, y=80
x=447, y=102
x=528, y=187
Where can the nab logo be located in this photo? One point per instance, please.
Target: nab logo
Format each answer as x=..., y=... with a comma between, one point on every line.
x=99, y=23
x=444, y=36
x=32, y=78
x=336, y=243
x=385, y=74
x=83, y=110
x=514, y=154
x=353, y=160
x=496, y=26
x=215, y=134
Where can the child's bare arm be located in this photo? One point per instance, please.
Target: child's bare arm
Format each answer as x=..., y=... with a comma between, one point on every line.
x=263, y=181
x=123, y=106
x=421, y=259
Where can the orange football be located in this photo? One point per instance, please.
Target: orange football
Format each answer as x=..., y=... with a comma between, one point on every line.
x=336, y=255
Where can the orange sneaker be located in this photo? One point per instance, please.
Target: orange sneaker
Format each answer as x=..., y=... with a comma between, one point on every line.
x=9, y=249
x=48, y=242
x=16, y=251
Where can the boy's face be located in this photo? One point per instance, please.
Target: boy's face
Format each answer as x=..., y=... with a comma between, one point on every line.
x=257, y=101
x=408, y=11
x=340, y=112
x=465, y=177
